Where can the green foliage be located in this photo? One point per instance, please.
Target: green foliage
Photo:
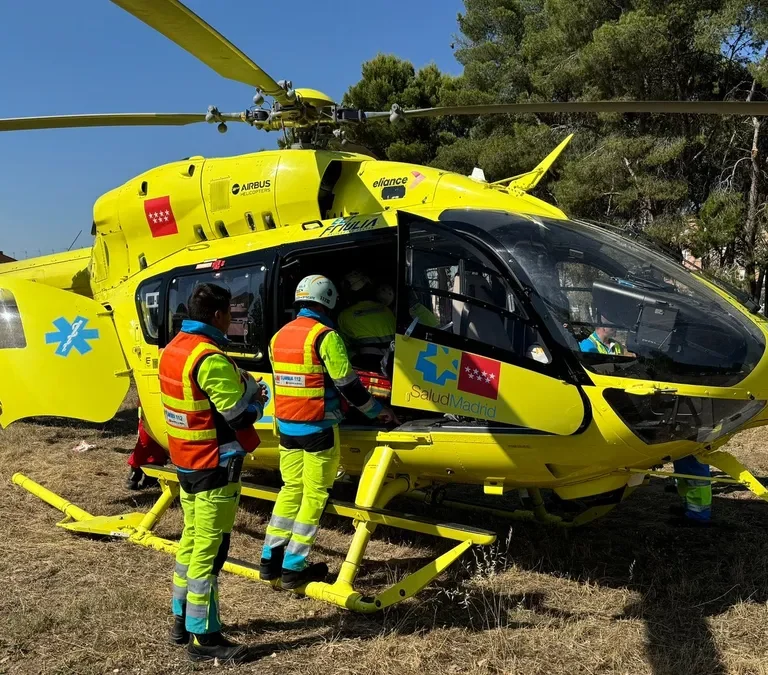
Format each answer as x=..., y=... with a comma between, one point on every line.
x=688, y=180
x=388, y=80
x=720, y=220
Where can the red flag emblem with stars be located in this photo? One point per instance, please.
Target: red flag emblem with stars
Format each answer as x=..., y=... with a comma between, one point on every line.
x=479, y=376
x=160, y=216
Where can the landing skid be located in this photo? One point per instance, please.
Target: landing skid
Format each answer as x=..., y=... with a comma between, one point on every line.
x=367, y=513
x=375, y=490
x=538, y=514
x=720, y=459
x=725, y=461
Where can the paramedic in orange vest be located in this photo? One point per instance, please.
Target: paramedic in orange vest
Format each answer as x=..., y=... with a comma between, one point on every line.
x=210, y=406
x=311, y=369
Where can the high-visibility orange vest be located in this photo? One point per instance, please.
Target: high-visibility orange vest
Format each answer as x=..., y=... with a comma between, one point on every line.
x=299, y=373
x=194, y=438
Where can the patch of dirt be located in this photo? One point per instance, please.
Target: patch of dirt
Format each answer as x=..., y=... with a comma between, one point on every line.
x=628, y=594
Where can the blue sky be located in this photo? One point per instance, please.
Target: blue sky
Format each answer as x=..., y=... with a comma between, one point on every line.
x=91, y=56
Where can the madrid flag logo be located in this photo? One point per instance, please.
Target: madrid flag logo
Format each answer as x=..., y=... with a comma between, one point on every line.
x=160, y=216
x=479, y=376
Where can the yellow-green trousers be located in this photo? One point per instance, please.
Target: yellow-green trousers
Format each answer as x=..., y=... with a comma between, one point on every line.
x=696, y=493
x=307, y=477
x=208, y=519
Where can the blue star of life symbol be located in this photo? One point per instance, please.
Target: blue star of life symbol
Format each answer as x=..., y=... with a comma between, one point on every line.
x=72, y=336
x=429, y=369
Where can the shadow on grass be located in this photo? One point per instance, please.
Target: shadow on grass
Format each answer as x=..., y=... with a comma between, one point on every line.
x=124, y=423
x=679, y=577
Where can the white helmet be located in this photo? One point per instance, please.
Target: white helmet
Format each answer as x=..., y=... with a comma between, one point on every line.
x=317, y=288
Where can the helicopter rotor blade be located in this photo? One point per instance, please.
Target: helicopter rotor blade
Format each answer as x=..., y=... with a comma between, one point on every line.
x=182, y=26
x=100, y=120
x=756, y=108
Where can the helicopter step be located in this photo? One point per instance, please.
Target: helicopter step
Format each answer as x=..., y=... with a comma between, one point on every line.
x=367, y=513
x=355, y=512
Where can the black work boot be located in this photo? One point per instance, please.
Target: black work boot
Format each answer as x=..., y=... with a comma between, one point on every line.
x=269, y=570
x=314, y=572
x=147, y=481
x=179, y=634
x=209, y=646
x=134, y=476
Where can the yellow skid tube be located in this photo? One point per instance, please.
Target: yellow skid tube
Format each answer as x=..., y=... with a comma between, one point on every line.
x=367, y=514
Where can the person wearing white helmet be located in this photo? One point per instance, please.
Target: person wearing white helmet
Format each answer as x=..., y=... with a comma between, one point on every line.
x=368, y=326
x=312, y=370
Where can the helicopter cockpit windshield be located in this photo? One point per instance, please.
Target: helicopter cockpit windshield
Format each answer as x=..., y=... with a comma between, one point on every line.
x=622, y=308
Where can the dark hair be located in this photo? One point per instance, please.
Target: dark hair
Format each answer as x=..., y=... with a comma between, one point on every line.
x=306, y=304
x=206, y=300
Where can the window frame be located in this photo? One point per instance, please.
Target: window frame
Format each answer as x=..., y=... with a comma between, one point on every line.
x=15, y=313
x=290, y=253
x=460, y=297
x=161, y=279
x=253, y=263
x=485, y=252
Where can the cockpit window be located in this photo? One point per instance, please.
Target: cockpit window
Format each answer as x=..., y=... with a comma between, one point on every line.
x=454, y=290
x=622, y=308
x=11, y=330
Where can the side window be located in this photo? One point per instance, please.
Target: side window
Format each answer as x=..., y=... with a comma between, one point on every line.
x=11, y=330
x=246, y=332
x=465, y=293
x=148, y=304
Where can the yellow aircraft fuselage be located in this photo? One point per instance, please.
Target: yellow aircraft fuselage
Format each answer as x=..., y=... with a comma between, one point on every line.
x=203, y=214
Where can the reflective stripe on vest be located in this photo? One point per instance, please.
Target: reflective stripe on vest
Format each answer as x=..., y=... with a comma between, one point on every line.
x=368, y=327
x=614, y=349
x=299, y=373
x=189, y=417
x=189, y=421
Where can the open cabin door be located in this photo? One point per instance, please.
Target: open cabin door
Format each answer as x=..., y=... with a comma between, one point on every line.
x=59, y=355
x=465, y=343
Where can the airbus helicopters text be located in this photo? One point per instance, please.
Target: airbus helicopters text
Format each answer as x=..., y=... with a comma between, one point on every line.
x=497, y=394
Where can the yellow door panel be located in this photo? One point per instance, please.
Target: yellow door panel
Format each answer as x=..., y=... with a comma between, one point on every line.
x=428, y=376
x=59, y=355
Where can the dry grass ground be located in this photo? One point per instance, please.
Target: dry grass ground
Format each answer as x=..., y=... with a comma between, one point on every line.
x=627, y=595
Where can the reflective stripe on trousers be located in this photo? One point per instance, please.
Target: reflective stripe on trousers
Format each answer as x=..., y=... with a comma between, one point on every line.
x=307, y=477
x=696, y=493
x=208, y=520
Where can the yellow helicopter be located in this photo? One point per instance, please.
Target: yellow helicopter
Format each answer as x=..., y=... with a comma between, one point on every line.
x=495, y=392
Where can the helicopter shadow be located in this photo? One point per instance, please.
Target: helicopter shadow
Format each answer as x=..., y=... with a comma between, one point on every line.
x=124, y=423
x=679, y=578
x=730, y=488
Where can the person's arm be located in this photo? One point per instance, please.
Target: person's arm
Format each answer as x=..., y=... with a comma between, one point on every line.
x=239, y=403
x=333, y=354
x=425, y=316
